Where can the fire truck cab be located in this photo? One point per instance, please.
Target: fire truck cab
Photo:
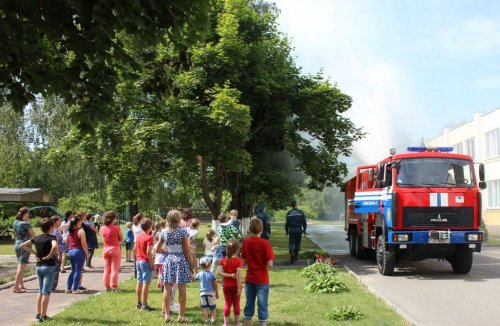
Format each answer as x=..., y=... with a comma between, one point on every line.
x=425, y=203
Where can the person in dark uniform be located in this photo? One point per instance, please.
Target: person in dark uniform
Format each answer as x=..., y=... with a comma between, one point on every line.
x=295, y=225
x=260, y=212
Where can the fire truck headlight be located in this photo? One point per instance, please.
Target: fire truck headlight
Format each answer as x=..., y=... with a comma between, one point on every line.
x=474, y=237
x=401, y=237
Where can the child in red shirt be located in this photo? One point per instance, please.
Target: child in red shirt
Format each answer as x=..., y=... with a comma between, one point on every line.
x=145, y=264
x=258, y=255
x=231, y=271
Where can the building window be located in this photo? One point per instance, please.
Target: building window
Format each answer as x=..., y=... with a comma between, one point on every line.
x=466, y=147
x=494, y=194
x=493, y=143
x=470, y=147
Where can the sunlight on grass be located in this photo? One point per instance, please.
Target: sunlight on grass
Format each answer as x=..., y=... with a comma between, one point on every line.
x=289, y=303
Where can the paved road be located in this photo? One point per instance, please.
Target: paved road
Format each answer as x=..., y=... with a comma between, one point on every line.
x=427, y=292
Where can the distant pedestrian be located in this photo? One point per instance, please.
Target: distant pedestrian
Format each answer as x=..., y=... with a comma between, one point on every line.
x=23, y=231
x=57, y=232
x=232, y=285
x=178, y=265
x=258, y=254
x=97, y=222
x=68, y=216
x=186, y=218
x=295, y=225
x=112, y=237
x=225, y=232
x=210, y=244
x=136, y=230
x=78, y=252
x=129, y=242
x=261, y=214
x=209, y=291
x=193, y=233
x=233, y=219
x=46, y=249
x=144, y=263
x=91, y=234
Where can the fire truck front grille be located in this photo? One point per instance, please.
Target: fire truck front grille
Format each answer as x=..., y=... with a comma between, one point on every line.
x=438, y=217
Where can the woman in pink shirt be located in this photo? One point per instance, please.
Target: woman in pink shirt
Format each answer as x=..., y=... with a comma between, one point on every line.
x=186, y=218
x=112, y=236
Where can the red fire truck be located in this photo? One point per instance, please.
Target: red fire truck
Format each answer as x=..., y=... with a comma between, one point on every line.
x=425, y=203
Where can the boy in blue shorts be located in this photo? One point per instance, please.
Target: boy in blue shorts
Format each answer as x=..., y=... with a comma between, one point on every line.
x=129, y=240
x=209, y=291
x=145, y=264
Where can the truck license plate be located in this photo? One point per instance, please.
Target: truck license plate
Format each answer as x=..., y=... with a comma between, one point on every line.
x=439, y=237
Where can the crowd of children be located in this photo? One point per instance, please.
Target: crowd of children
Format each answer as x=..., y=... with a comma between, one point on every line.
x=167, y=248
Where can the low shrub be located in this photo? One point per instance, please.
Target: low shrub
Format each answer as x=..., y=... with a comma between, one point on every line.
x=326, y=284
x=341, y=313
x=318, y=270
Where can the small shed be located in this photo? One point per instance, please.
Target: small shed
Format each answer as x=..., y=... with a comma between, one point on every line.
x=25, y=195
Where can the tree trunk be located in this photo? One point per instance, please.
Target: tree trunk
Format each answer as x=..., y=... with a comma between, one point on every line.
x=213, y=205
x=238, y=198
x=132, y=210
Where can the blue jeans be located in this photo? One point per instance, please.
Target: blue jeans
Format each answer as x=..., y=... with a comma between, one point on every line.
x=77, y=260
x=46, y=275
x=261, y=292
x=220, y=252
x=144, y=272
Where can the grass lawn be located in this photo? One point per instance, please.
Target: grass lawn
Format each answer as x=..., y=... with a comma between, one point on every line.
x=289, y=304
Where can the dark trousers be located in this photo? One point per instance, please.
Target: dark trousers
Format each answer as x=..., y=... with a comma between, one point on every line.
x=56, y=278
x=91, y=254
x=294, y=239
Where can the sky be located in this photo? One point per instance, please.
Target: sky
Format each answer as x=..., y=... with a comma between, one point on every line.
x=412, y=68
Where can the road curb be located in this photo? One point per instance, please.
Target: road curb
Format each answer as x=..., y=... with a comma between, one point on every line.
x=382, y=297
x=26, y=279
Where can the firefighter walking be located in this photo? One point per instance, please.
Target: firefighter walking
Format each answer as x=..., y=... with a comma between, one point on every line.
x=294, y=227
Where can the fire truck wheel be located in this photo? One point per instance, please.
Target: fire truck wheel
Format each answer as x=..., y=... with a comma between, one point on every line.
x=461, y=262
x=361, y=252
x=386, y=257
x=352, y=242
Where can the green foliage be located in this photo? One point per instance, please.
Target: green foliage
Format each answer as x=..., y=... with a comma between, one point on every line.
x=326, y=284
x=78, y=49
x=7, y=223
x=341, y=313
x=318, y=270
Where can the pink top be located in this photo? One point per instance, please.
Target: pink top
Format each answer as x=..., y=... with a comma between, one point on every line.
x=186, y=223
x=111, y=235
x=74, y=241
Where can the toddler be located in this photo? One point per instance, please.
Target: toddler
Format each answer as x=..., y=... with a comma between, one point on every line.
x=209, y=291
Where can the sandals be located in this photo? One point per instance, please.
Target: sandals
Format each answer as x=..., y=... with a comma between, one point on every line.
x=19, y=291
x=168, y=319
x=182, y=319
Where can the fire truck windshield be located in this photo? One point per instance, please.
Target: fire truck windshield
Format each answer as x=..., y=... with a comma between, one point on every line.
x=434, y=172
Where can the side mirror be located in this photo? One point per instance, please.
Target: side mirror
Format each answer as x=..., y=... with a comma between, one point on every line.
x=482, y=185
x=481, y=173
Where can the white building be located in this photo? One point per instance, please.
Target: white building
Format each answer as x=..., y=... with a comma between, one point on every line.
x=480, y=138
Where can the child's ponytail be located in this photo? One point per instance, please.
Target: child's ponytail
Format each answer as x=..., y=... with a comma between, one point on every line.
x=233, y=246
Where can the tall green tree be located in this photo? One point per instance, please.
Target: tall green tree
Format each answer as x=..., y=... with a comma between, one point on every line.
x=75, y=49
x=248, y=63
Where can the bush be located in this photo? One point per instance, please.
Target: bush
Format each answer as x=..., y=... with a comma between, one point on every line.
x=318, y=270
x=7, y=222
x=341, y=313
x=328, y=284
